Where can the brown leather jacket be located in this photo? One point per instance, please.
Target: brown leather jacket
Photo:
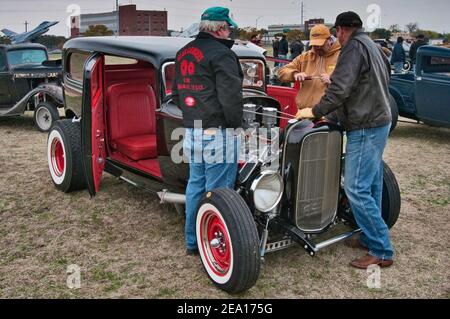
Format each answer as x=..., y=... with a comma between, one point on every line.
x=359, y=92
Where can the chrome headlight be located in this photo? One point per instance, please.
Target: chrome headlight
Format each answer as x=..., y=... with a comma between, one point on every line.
x=267, y=190
x=254, y=73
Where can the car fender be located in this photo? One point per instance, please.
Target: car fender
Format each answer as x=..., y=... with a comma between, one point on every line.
x=52, y=90
x=398, y=98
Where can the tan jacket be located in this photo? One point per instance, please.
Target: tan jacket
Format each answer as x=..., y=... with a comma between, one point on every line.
x=313, y=65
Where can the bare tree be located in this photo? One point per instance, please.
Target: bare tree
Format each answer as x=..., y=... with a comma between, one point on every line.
x=394, y=28
x=412, y=27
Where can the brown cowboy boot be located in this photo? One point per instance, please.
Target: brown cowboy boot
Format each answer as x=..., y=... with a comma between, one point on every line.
x=368, y=260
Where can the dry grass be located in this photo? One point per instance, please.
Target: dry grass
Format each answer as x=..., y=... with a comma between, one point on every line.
x=127, y=245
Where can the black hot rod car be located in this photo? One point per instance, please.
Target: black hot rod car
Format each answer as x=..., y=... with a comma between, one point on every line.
x=30, y=82
x=119, y=92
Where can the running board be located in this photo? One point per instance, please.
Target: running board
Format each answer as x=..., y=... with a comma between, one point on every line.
x=303, y=239
x=279, y=245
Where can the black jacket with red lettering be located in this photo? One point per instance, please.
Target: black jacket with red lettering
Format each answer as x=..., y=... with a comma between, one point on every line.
x=208, y=83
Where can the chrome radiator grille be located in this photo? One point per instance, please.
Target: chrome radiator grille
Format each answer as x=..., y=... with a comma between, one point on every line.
x=318, y=181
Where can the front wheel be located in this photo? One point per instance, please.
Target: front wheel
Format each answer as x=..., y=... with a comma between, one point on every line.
x=228, y=241
x=45, y=115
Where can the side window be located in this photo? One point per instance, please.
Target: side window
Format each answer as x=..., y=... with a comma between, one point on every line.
x=115, y=60
x=76, y=65
x=169, y=74
x=437, y=65
x=2, y=62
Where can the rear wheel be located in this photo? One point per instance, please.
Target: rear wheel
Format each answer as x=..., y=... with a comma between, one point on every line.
x=394, y=112
x=45, y=115
x=64, y=156
x=228, y=241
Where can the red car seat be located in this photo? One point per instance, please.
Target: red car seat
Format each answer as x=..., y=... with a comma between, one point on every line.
x=132, y=120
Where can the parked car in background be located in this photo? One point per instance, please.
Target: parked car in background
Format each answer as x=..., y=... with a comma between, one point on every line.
x=424, y=94
x=125, y=123
x=29, y=82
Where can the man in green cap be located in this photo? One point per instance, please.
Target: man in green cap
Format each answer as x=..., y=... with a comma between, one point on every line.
x=208, y=90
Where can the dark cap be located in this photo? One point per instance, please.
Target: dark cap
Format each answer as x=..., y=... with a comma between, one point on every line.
x=348, y=19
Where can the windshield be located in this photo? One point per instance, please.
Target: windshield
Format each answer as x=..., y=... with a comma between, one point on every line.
x=26, y=56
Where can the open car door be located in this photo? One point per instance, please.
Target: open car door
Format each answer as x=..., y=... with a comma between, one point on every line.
x=93, y=146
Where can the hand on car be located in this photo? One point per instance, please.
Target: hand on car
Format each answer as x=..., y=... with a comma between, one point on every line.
x=301, y=76
x=325, y=78
x=304, y=114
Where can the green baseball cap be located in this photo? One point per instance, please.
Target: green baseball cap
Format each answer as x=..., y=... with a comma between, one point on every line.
x=218, y=14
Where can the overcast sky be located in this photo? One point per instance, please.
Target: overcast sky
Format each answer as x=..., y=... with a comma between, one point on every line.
x=433, y=15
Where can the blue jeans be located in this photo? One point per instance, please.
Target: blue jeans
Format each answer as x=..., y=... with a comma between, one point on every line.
x=398, y=67
x=364, y=187
x=212, y=164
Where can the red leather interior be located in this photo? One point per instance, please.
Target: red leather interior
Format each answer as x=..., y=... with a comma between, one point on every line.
x=130, y=75
x=138, y=147
x=131, y=120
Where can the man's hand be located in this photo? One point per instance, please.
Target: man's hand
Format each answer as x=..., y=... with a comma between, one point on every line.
x=304, y=114
x=301, y=76
x=325, y=78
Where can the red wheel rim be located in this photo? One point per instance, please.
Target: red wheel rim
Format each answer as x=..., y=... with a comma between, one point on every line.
x=216, y=243
x=58, y=161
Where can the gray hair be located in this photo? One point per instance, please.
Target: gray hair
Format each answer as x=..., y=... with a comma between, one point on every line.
x=212, y=26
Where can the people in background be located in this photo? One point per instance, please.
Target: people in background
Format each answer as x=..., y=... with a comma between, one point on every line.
x=420, y=42
x=385, y=49
x=284, y=48
x=297, y=48
x=276, y=46
x=256, y=39
x=398, y=57
x=446, y=43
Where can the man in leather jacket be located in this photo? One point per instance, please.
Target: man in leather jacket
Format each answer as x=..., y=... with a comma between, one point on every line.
x=208, y=90
x=358, y=97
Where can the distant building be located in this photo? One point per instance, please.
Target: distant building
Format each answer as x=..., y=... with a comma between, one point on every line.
x=283, y=28
x=313, y=22
x=126, y=21
x=405, y=35
x=75, y=27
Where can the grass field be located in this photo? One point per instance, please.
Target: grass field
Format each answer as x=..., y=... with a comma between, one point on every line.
x=129, y=246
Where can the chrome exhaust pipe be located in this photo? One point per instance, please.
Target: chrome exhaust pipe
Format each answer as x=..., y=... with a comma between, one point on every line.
x=174, y=198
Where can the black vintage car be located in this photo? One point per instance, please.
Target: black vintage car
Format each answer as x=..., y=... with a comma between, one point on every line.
x=118, y=91
x=29, y=82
